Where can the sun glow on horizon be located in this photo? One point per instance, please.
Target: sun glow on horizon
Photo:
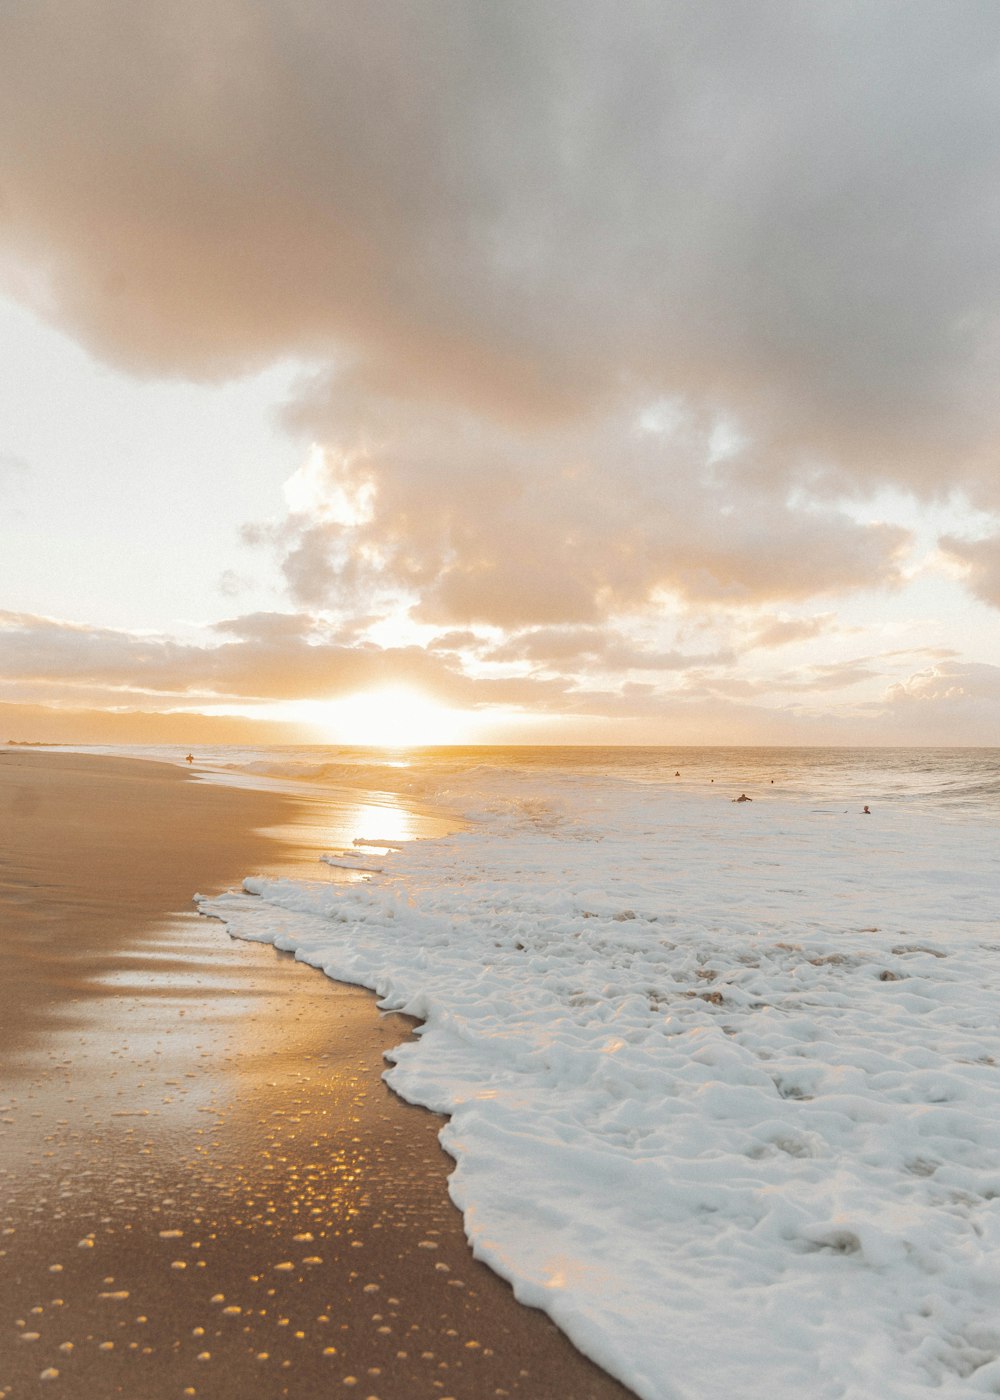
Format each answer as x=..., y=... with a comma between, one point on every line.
x=389, y=717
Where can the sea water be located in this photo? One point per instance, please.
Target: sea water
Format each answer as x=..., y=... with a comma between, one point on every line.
x=723, y=1079
x=949, y=781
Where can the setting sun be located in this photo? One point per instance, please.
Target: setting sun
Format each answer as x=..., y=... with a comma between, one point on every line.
x=392, y=717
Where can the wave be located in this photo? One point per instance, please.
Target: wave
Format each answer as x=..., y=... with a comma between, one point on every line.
x=721, y=1079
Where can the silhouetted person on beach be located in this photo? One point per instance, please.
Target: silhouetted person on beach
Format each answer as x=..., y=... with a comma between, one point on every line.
x=742, y=798
x=190, y=758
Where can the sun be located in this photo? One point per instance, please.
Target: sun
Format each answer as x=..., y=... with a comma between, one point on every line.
x=390, y=717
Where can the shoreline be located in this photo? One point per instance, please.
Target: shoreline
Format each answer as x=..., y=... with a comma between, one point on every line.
x=208, y=1189
x=708, y=1066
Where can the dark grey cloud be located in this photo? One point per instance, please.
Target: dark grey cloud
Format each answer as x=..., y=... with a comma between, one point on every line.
x=499, y=232
x=786, y=210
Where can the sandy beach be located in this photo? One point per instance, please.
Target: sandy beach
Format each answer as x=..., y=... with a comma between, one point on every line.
x=207, y=1190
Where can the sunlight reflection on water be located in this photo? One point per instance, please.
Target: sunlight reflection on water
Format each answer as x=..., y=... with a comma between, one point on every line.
x=331, y=823
x=382, y=823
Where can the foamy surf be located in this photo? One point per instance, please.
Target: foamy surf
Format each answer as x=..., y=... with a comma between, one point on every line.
x=722, y=1080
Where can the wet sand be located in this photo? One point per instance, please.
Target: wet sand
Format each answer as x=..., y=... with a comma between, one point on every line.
x=205, y=1188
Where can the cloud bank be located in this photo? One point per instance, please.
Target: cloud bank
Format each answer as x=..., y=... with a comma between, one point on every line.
x=253, y=665
x=610, y=311
x=785, y=211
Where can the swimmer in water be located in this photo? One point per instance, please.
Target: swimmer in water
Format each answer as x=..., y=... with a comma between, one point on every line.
x=866, y=811
x=742, y=798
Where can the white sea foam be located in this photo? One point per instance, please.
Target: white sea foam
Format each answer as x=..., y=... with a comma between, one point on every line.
x=723, y=1079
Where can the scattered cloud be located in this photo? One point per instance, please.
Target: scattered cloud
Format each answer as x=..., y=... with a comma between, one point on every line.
x=820, y=680
x=951, y=702
x=276, y=658
x=566, y=527
x=231, y=583
x=952, y=681
x=592, y=649
x=68, y=723
x=268, y=628
x=781, y=631
x=979, y=560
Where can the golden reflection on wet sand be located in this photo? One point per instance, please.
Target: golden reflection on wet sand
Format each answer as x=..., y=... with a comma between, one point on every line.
x=379, y=822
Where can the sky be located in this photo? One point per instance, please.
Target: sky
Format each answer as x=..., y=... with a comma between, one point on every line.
x=450, y=372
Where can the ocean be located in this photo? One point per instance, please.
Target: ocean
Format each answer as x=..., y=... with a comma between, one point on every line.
x=964, y=782
x=722, y=1078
